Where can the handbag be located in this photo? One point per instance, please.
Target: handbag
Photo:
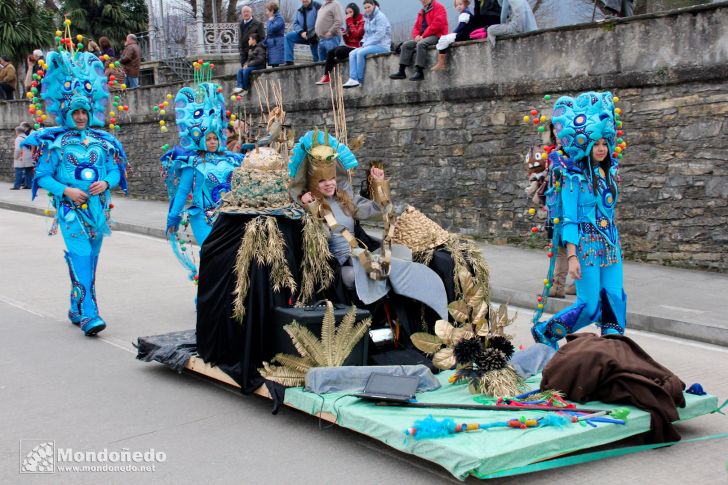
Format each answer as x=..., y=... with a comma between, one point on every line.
x=480, y=33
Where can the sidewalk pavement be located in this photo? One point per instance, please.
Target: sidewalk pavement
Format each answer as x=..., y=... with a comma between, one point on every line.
x=670, y=301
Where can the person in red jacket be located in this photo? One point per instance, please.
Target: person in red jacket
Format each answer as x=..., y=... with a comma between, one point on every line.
x=431, y=24
x=353, y=34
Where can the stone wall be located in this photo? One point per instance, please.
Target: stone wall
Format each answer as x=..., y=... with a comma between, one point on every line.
x=454, y=143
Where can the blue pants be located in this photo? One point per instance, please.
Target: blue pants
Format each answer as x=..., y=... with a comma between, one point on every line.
x=600, y=298
x=131, y=82
x=326, y=45
x=293, y=38
x=244, y=76
x=82, y=258
x=357, y=60
x=200, y=228
x=23, y=177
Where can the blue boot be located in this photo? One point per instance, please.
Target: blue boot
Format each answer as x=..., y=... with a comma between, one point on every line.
x=83, y=269
x=614, y=313
x=77, y=292
x=563, y=323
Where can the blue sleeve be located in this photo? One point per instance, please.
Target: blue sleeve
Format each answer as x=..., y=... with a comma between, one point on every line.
x=570, y=189
x=177, y=204
x=50, y=184
x=298, y=23
x=277, y=26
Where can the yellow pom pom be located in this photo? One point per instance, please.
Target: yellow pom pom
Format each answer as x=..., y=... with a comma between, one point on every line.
x=67, y=22
x=233, y=117
x=123, y=86
x=29, y=95
x=111, y=126
x=79, y=37
x=545, y=282
x=616, y=99
x=112, y=113
x=162, y=122
x=165, y=129
x=58, y=33
x=556, y=220
x=47, y=212
x=44, y=117
x=540, y=306
x=166, y=103
x=618, y=149
x=531, y=211
x=232, y=98
x=618, y=111
x=162, y=112
x=544, y=155
x=84, y=206
x=169, y=96
x=543, y=118
x=39, y=112
x=526, y=119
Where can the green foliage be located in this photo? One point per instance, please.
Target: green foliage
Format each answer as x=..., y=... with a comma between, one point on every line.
x=24, y=25
x=114, y=19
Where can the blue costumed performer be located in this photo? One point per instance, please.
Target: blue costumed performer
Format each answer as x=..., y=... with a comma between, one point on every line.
x=582, y=203
x=78, y=166
x=200, y=166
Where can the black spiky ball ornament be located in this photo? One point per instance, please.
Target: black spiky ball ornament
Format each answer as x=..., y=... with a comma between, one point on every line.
x=491, y=359
x=502, y=344
x=467, y=350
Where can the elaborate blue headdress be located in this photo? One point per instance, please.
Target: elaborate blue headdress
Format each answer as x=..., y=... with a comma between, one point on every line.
x=580, y=122
x=75, y=80
x=200, y=110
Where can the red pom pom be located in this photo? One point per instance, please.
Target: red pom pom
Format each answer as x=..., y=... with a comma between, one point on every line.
x=534, y=112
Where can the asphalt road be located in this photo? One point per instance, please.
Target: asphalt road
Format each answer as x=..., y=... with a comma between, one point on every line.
x=90, y=394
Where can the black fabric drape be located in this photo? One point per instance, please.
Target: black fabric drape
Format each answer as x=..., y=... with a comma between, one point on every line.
x=239, y=348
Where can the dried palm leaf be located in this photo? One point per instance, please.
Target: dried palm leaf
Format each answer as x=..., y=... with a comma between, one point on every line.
x=294, y=362
x=426, y=342
x=305, y=342
x=316, y=270
x=501, y=382
x=282, y=375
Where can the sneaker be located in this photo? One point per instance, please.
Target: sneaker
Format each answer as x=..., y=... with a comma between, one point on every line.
x=324, y=80
x=351, y=83
x=288, y=63
x=14, y=188
x=237, y=90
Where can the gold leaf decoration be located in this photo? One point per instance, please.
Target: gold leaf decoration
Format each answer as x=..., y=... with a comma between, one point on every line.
x=426, y=342
x=331, y=350
x=459, y=311
x=444, y=329
x=444, y=358
x=316, y=269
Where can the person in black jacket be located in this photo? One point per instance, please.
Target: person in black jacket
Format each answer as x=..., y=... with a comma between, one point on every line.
x=257, y=59
x=248, y=26
x=486, y=13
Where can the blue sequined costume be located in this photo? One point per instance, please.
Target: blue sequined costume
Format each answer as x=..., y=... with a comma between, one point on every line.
x=191, y=169
x=70, y=157
x=583, y=199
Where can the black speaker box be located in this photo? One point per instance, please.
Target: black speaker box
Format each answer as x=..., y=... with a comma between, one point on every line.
x=311, y=317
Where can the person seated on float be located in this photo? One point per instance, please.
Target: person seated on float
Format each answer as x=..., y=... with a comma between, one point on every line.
x=318, y=168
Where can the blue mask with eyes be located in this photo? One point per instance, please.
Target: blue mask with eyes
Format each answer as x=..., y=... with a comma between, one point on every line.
x=200, y=110
x=75, y=82
x=580, y=122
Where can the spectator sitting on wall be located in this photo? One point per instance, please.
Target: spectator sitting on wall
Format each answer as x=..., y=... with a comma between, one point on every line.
x=352, y=39
x=304, y=31
x=257, y=57
x=32, y=66
x=106, y=49
x=516, y=17
x=275, y=30
x=486, y=13
x=22, y=161
x=462, y=32
x=131, y=59
x=329, y=23
x=377, y=39
x=7, y=78
x=431, y=24
x=248, y=26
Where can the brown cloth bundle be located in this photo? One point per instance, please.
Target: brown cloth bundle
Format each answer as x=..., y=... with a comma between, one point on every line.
x=614, y=369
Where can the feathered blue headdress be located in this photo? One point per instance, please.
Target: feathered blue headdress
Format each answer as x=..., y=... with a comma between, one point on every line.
x=75, y=80
x=200, y=110
x=580, y=122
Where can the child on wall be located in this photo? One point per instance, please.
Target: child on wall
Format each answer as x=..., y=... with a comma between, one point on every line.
x=466, y=24
x=257, y=59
